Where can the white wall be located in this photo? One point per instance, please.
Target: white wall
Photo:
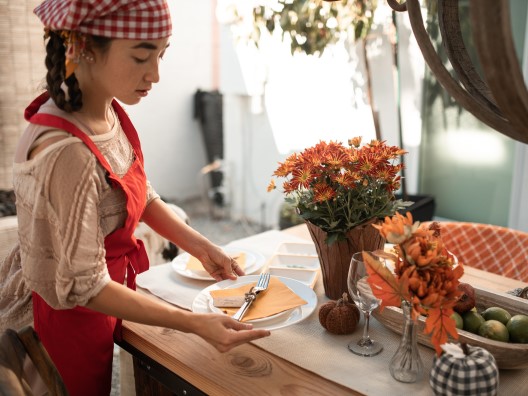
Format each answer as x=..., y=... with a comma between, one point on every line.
x=171, y=139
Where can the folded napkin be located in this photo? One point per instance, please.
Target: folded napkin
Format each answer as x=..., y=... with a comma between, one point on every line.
x=275, y=299
x=193, y=264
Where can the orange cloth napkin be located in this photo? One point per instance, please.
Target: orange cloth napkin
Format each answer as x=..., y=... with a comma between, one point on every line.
x=193, y=264
x=275, y=299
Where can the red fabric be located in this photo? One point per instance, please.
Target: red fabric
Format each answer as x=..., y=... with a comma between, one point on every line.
x=80, y=341
x=120, y=19
x=500, y=250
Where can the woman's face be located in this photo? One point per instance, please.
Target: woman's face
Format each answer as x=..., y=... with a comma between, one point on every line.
x=126, y=70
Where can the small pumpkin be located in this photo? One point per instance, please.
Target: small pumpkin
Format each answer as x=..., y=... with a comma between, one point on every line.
x=464, y=370
x=339, y=317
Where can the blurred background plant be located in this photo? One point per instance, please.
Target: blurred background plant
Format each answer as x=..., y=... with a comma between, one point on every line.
x=288, y=216
x=309, y=25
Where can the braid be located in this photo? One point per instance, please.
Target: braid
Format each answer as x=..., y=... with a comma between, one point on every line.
x=55, y=63
x=74, y=92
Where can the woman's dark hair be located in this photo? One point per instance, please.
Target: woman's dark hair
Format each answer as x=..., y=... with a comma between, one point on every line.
x=55, y=63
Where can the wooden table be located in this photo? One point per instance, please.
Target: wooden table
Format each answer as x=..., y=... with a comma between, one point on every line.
x=170, y=362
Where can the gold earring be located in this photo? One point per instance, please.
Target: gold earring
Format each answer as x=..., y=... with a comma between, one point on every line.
x=89, y=58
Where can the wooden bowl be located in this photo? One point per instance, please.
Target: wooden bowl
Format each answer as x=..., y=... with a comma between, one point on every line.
x=507, y=355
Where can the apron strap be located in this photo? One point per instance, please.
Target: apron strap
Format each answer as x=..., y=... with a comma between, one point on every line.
x=57, y=122
x=130, y=130
x=31, y=114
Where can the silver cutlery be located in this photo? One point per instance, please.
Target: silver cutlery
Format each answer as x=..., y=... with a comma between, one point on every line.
x=262, y=284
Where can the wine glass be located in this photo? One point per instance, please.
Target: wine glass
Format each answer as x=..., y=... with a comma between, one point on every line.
x=360, y=291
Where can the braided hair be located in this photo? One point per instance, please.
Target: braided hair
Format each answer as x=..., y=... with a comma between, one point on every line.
x=55, y=63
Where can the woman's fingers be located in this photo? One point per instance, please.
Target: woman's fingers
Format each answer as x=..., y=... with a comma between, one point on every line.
x=246, y=328
x=239, y=334
x=217, y=274
x=242, y=337
x=231, y=270
x=221, y=266
x=225, y=333
x=236, y=325
x=236, y=269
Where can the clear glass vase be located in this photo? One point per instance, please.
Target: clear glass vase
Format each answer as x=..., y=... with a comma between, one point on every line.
x=406, y=364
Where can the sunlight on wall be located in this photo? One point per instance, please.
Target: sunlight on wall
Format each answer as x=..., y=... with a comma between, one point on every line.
x=412, y=126
x=473, y=147
x=412, y=67
x=306, y=98
x=310, y=99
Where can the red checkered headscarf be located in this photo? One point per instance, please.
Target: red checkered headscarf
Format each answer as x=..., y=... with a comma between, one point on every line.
x=118, y=19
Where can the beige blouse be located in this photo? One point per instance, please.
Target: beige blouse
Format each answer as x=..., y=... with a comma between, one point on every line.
x=65, y=209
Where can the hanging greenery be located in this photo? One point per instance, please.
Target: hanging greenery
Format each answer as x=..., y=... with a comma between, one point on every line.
x=312, y=25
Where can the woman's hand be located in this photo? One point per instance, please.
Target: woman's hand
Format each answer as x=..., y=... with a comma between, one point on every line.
x=219, y=265
x=162, y=219
x=219, y=330
x=223, y=332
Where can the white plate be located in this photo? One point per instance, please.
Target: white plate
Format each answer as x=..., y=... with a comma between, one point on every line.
x=201, y=302
x=254, y=263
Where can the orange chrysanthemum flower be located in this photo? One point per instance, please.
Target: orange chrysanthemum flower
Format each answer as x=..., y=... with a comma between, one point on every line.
x=339, y=187
x=397, y=229
x=355, y=142
x=301, y=177
x=323, y=192
x=344, y=179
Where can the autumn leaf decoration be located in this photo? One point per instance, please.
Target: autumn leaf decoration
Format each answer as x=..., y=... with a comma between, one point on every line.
x=383, y=283
x=425, y=275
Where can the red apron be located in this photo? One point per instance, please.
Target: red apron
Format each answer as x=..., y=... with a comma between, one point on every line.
x=80, y=341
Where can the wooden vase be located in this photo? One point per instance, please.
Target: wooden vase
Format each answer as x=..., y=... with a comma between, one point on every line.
x=335, y=258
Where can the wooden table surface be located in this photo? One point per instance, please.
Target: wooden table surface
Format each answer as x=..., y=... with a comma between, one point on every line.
x=248, y=369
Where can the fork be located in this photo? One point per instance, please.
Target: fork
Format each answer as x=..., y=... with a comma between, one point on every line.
x=262, y=284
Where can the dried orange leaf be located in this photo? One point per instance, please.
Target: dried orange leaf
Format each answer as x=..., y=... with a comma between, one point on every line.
x=440, y=325
x=383, y=283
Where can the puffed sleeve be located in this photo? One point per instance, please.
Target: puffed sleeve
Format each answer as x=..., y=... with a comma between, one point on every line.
x=151, y=193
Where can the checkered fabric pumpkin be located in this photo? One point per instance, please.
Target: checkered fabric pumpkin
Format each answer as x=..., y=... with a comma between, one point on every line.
x=475, y=373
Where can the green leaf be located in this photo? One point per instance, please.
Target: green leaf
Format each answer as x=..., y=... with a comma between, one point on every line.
x=332, y=238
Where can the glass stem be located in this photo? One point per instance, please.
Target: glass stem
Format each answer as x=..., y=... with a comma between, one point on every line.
x=366, y=327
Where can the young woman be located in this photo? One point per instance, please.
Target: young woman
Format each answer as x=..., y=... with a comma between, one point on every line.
x=81, y=191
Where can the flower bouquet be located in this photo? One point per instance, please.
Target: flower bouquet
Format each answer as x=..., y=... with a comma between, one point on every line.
x=425, y=276
x=339, y=192
x=338, y=188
